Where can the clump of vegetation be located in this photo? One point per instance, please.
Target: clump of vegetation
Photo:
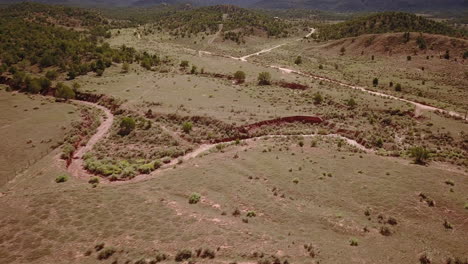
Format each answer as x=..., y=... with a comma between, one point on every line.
x=194, y=198
x=64, y=92
x=420, y=155
x=318, y=99
x=298, y=60
x=264, y=78
x=251, y=214
x=354, y=242
x=375, y=82
x=127, y=125
x=61, y=178
x=94, y=180
x=398, y=87
x=183, y=255
x=187, y=127
x=239, y=76
x=106, y=253
x=184, y=64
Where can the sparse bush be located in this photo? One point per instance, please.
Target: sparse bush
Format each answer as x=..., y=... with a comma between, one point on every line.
x=236, y=212
x=51, y=75
x=61, y=178
x=318, y=99
x=239, y=76
x=183, y=255
x=321, y=67
x=420, y=155
x=424, y=259
x=351, y=103
x=385, y=231
x=194, y=198
x=375, y=82
x=208, y=253
x=99, y=246
x=298, y=60
x=251, y=214
x=264, y=78
x=296, y=180
x=187, y=127
x=106, y=253
x=125, y=67
x=127, y=125
x=194, y=70
x=94, y=180
x=64, y=92
x=447, y=225
x=184, y=64
x=398, y=87
x=354, y=242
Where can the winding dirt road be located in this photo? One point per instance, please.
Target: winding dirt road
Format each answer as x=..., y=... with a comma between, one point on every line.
x=76, y=168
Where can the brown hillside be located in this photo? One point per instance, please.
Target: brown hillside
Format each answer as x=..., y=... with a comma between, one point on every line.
x=394, y=43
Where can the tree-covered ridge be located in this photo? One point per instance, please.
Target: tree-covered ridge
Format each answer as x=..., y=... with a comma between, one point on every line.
x=35, y=54
x=207, y=19
x=386, y=22
x=186, y=20
x=70, y=17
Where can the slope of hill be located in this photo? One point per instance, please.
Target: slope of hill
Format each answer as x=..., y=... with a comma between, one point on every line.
x=384, y=23
x=364, y=5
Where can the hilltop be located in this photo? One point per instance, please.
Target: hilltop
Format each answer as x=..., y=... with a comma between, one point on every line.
x=386, y=22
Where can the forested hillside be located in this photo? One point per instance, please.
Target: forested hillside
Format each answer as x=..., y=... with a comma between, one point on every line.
x=48, y=41
x=385, y=23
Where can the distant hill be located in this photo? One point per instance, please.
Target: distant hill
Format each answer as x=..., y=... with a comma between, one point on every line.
x=386, y=22
x=330, y=5
x=364, y=5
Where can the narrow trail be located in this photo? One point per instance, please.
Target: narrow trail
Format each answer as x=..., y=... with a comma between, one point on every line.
x=216, y=35
x=76, y=168
x=419, y=106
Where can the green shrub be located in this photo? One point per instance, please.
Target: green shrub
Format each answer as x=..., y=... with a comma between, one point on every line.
x=67, y=151
x=146, y=168
x=94, y=180
x=127, y=125
x=375, y=82
x=183, y=255
x=298, y=60
x=318, y=99
x=398, y=87
x=420, y=155
x=194, y=198
x=51, y=75
x=251, y=214
x=64, y=92
x=61, y=178
x=264, y=78
x=194, y=70
x=353, y=242
x=239, y=76
x=187, y=127
x=184, y=64
x=125, y=67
